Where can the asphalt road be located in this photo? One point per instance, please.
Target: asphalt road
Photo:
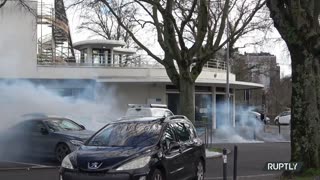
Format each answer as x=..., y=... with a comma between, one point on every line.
x=251, y=160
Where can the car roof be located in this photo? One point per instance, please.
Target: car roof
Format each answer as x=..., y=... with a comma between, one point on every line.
x=139, y=119
x=163, y=106
x=176, y=118
x=46, y=118
x=157, y=108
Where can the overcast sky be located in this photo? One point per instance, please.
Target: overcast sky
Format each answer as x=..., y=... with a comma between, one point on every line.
x=274, y=45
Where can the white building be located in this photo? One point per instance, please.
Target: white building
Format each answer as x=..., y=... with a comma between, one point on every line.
x=101, y=64
x=264, y=68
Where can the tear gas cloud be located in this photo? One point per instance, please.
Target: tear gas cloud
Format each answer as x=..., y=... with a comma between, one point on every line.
x=18, y=98
x=248, y=127
x=22, y=97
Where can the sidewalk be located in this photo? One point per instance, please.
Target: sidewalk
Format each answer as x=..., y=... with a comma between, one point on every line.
x=246, y=135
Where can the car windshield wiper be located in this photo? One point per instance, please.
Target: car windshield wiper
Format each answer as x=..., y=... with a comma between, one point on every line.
x=116, y=146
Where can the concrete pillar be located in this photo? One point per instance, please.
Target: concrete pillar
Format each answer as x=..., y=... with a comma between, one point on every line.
x=111, y=50
x=234, y=108
x=89, y=56
x=105, y=57
x=214, y=118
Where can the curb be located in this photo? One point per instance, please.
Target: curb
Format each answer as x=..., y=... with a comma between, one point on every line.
x=28, y=168
x=257, y=176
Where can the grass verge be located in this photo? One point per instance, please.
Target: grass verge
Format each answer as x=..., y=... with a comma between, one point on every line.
x=309, y=174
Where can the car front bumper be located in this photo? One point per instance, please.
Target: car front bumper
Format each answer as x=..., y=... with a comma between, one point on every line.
x=80, y=175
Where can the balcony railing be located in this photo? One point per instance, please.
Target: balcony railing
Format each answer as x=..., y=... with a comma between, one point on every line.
x=132, y=61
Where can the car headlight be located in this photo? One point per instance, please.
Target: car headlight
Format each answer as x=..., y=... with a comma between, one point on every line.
x=66, y=163
x=135, y=164
x=76, y=142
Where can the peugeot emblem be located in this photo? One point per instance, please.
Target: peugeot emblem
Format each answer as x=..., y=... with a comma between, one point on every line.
x=94, y=165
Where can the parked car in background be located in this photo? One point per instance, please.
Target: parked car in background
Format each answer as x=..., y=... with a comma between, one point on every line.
x=148, y=148
x=257, y=115
x=147, y=110
x=43, y=137
x=283, y=118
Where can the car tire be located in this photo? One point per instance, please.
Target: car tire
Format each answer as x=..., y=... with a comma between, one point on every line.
x=199, y=171
x=276, y=122
x=156, y=175
x=61, y=151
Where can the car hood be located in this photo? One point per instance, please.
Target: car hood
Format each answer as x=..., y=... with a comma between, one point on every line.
x=104, y=157
x=83, y=135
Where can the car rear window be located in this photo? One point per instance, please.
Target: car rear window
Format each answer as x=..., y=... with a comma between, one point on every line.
x=134, y=112
x=158, y=112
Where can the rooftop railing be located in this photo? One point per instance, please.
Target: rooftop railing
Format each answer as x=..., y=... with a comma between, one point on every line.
x=133, y=61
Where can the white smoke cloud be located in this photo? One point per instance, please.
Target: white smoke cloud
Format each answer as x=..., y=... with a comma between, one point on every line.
x=248, y=129
x=22, y=97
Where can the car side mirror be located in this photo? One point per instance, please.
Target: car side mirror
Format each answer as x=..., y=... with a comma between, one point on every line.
x=44, y=131
x=174, y=146
x=82, y=126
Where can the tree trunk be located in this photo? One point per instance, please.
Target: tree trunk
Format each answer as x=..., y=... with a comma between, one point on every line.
x=187, y=106
x=305, y=125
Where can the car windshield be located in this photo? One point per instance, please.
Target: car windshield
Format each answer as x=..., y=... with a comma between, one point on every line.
x=63, y=125
x=127, y=134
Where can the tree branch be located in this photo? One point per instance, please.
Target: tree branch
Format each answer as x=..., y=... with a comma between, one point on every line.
x=131, y=34
x=3, y=3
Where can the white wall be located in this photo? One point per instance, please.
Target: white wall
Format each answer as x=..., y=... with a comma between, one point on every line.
x=131, y=93
x=147, y=74
x=17, y=41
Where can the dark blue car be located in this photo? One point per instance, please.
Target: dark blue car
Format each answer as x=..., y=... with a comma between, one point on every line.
x=43, y=137
x=147, y=148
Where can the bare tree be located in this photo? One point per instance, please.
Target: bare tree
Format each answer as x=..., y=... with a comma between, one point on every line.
x=190, y=32
x=279, y=96
x=2, y=3
x=99, y=20
x=22, y=3
x=298, y=24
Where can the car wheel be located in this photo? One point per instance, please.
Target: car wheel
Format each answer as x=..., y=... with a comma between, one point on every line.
x=62, y=150
x=200, y=171
x=156, y=175
x=276, y=122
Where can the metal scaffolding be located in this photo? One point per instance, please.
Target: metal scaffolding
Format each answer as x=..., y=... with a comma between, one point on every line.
x=55, y=45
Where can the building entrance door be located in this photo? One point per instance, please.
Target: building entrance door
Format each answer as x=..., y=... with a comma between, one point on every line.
x=173, y=101
x=203, y=108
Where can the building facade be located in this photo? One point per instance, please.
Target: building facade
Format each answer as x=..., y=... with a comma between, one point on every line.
x=261, y=68
x=31, y=53
x=264, y=68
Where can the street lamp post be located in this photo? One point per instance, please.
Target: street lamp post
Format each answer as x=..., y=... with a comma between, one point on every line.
x=228, y=69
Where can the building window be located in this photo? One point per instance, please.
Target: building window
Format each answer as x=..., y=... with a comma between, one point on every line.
x=223, y=90
x=196, y=88
x=203, y=108
x=98, y=56
x=83, y=55
x=74, y=93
